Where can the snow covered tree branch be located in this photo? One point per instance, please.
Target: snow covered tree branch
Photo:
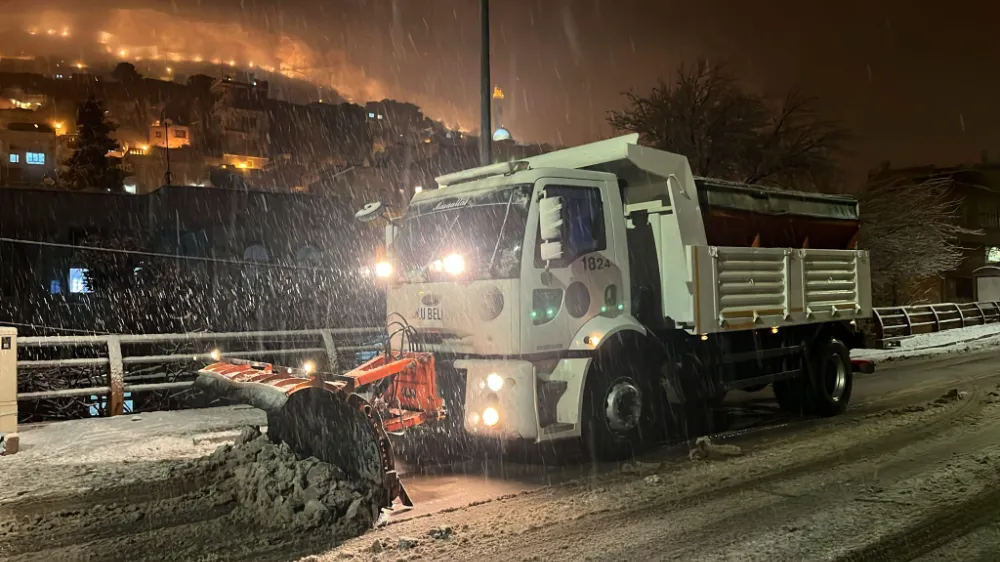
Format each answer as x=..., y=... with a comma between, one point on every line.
x=911, y=231
x=730, y=133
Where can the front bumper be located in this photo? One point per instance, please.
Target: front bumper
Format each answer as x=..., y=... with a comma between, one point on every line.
x=508, y=411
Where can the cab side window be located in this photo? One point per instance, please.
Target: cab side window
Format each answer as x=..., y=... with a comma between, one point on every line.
x=583, y=223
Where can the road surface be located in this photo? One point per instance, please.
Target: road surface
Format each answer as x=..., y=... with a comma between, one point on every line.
x=899, y=477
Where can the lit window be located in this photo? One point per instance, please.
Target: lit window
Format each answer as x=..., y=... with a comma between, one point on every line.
x=78, y=280
x=15, y=158
x=993, y=254
x=257, y=253
x=180, y=133
x=35, y=158
x=55, y=286
x=130, y=188
x=158, y=134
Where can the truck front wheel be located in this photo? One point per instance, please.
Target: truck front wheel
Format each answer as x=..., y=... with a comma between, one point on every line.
x=622, y=407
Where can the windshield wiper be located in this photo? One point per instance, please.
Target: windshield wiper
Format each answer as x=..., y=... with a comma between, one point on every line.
x=503, y=226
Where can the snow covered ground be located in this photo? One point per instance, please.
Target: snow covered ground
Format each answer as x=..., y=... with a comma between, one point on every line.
x=82, y=455
x=961, y=340
x=118, y=489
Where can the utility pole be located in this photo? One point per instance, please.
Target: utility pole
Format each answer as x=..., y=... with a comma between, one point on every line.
x=167, y=177
x=485, y=138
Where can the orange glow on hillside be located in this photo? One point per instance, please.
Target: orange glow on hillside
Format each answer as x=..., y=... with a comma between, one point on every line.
x=148, y=34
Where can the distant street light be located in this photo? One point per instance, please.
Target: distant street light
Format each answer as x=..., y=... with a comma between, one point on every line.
x=485, y=146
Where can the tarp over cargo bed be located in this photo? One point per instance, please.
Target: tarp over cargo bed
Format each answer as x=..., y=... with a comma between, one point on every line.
x=737, y=214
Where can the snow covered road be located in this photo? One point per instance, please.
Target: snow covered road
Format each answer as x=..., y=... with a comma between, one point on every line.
x=849, y=488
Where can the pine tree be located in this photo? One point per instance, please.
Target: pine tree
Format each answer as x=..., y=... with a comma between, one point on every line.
x=90, y=166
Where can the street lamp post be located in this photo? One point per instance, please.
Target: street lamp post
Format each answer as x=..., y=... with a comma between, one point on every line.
x=167, y=177
x=485, y=146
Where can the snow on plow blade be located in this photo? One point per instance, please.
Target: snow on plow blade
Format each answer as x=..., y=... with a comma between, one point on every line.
x=317, y=418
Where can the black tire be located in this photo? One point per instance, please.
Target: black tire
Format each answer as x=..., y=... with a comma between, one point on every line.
x=632, y=376
x=831, y=378
x=826, y=385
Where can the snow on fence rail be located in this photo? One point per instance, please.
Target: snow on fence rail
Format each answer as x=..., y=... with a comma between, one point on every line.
x=117, y=352
x=894, y=323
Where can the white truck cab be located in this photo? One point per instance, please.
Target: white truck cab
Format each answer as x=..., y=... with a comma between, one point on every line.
x=577, y=294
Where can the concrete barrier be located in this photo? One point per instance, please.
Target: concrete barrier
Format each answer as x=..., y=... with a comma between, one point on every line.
x=8, y=391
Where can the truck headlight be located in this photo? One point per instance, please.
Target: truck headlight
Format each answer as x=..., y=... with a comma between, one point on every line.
x=453, y=264
x=491, y=416
x=494, y=381
x=383, y=269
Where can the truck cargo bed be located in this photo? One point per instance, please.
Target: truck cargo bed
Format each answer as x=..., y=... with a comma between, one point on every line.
x=738, y=214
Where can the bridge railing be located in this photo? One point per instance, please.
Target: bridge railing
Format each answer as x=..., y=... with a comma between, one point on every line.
x=124, y=360
x=129, y=363
x=895, y=323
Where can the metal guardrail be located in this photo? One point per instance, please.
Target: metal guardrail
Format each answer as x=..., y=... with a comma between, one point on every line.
x=116, y=352
x=894, y=323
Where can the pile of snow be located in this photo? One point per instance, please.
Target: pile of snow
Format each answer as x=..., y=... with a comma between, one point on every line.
x=704, y=449
x=960, y=340
x=271, y=487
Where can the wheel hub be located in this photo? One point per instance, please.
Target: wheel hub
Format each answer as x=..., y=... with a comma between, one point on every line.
x=837, y=377
x=623, y=406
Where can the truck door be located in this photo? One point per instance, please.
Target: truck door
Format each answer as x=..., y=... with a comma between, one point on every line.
x=586, y=281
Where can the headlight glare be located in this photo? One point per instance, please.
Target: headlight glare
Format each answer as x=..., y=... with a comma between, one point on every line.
x=491, y=416
x=494, y=381
x=383, y=269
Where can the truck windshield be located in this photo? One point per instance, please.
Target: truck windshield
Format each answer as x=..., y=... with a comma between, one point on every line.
x=486, y=229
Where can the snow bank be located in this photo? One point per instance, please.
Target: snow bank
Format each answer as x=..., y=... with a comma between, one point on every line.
x=960, y=340
x=273, y=488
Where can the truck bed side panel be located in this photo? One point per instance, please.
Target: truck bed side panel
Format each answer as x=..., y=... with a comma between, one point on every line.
x=750, y=288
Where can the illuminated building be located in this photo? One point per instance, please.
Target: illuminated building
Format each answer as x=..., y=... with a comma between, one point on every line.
x=27, y=153
x=501, y=133
x=179, y=135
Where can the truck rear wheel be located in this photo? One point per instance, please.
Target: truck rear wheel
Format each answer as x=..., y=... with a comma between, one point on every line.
x=622, y=406
x=830, y=379
x=824, y=389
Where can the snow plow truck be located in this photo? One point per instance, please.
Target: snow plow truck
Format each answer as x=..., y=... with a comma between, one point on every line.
x=599, y=293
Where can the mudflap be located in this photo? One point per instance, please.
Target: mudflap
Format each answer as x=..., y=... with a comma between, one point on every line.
x=866, y=366
x=316, y=418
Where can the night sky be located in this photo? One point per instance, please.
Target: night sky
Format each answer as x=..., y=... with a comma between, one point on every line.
x=916, y=81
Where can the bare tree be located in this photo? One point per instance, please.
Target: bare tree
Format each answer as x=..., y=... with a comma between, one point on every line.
x=911, y=229
x=731, y=133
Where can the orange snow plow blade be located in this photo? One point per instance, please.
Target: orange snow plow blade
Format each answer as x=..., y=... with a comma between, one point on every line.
x=325, y=415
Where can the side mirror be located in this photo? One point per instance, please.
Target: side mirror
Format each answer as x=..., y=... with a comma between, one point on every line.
x=550, y=220
x=391, y=231
x=551, y=251
x=550, y=224
x=370, y=212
